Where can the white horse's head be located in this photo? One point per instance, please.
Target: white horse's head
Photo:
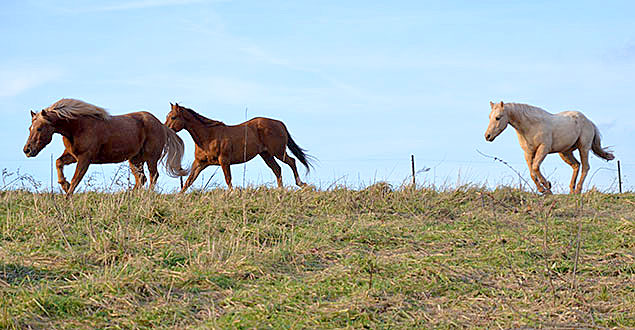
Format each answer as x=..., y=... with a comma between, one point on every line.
x=498, y=120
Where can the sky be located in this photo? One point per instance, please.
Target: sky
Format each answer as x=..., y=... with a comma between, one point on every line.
x=362, y=85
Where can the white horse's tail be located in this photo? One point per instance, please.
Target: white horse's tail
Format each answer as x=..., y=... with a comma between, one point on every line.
x=173, y=154
x=597, y=146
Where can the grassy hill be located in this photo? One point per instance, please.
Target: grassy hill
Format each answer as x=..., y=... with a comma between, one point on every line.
x=270, y=258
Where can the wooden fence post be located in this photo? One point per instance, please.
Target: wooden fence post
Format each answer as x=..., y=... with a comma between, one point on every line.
x=412, y=159
x=619, y=175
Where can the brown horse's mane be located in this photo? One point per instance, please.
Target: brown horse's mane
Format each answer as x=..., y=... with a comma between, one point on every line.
x=203, y=120
x=72, y=108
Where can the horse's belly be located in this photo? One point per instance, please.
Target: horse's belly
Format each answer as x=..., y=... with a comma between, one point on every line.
x=111, y=153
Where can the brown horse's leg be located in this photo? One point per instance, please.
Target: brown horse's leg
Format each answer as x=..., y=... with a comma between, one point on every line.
x=584, y=159
x=80, y=170
x=291, y=162
x=570, y=159
x=65, y=159
x=136, y=166
x=154, y=172
x=273, y=165
x=224, y=164
x=197, y=167
x=540, y=155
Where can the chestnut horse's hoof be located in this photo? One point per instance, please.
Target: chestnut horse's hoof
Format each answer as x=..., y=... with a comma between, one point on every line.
x=65, y=186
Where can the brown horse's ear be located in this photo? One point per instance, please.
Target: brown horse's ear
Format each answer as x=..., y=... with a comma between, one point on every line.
x=171, y=104
x=33, y=114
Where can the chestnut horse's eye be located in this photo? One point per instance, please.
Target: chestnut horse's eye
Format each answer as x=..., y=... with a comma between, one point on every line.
x=174, y=118
x=39, y=129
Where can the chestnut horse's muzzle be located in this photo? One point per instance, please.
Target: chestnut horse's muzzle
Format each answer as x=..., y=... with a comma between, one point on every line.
x=30, y=152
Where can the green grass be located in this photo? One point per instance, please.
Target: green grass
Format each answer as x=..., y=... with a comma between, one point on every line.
x=270, y=258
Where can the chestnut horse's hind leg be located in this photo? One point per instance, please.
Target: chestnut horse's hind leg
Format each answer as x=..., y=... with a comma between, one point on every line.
x=575, y=165
x=273, y=165
x=136, y=166
x=154, y=172
x=64, y=160
x=291, y=162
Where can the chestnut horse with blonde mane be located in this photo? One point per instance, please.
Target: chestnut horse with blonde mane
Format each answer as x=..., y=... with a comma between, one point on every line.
x=220, y=144
x=541, y=133
x=92, y=136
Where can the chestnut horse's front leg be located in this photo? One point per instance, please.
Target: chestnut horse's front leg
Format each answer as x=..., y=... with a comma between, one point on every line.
x=196, y=168
x=82, y=166
x=65, y=159
x=225, y=165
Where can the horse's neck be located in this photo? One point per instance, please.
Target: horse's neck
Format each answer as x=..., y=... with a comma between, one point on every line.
x=67, y=128
x=525, y=120
x=200, y=133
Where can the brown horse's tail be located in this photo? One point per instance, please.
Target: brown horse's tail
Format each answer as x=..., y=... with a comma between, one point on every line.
x=303, y=157
x=597, y=146
x=173, y=154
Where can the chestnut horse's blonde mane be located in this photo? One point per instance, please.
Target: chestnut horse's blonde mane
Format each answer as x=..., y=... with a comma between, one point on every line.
x=72, y=108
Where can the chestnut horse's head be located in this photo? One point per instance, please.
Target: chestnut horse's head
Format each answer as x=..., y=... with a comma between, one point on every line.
x=498, y=120
x=174, y=119
x=40, y=132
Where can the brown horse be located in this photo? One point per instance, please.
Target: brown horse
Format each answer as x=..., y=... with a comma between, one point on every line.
x=92, y=136
x=219, y=144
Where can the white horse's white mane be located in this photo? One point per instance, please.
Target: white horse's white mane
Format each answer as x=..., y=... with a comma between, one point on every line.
x=526, y=110
x=72, y=108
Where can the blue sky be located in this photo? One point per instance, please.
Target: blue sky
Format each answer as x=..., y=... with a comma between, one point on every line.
x=361, y=84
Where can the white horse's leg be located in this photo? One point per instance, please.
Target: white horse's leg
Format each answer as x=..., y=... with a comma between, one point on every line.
x=540, y=155
x=529, y=157
x=570, y=159
x=584, y=159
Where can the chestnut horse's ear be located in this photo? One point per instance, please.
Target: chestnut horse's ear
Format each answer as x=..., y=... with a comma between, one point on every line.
x=33, y=114
x=171, y=104
x=491, y=104
x=44, y=113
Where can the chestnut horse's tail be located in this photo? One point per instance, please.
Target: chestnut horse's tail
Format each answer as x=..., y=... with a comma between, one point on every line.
x=597, y=147
x=303, y=157
x=173, y=154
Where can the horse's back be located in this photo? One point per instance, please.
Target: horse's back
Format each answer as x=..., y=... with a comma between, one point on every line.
x=144, y=117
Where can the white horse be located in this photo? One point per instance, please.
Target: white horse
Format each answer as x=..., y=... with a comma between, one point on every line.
x=541, y=133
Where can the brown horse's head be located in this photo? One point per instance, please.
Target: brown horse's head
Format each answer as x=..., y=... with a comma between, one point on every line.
x=174, y=119
x=498, y=120
x=40, y=132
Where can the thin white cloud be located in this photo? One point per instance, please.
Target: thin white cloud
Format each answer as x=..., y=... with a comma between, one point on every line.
x=16, y=81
